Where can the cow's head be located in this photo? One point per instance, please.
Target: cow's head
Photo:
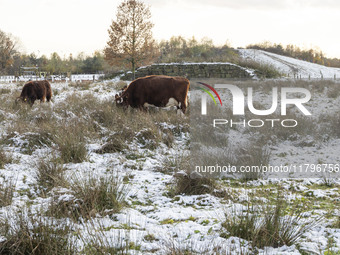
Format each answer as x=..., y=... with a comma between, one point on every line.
x=21, y=99
x=121, y=97
x=118, y=99
x=24, y=99
x=121, y=100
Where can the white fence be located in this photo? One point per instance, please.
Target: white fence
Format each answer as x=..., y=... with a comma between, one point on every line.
x=10, y=79
x=7, y=78
x=74, y=77
x=86, y=77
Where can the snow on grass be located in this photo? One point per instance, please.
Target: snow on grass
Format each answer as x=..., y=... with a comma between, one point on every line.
x=293, y=68
x=153, y=220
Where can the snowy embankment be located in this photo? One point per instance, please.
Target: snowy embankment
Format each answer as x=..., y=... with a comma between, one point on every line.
x=291, y=67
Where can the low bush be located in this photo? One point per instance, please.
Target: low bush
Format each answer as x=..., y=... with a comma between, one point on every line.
x=4, y=91
x=84, y=85
x=333, y=91
x=50, y=172
x=5, y=158
x=35, y=236
x=252, y=155
x=33, y=141
x=7, y=189
x=113, y=144
x=192, y=184
x=103, y=241
x=269, y=226
x=71, y=143
x=90, y=196
x=261, y=70
x=333, y=123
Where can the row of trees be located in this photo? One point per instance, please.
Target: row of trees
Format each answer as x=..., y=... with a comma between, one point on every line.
x=176, y=49
x=131, y=45
x=179, y=49
x=54, y=64
x=310, y=55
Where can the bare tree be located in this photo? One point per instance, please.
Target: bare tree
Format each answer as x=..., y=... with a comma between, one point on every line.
x=8, y=50
x=130, y=37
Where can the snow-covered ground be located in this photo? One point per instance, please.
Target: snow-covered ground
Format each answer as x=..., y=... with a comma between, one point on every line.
x=154, y=221
x=293, y=68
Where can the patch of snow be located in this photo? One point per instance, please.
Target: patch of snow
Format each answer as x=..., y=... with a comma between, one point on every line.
x=291, y=67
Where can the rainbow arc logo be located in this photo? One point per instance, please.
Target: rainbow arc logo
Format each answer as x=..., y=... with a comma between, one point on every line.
x=209, y=93
x=204, y=99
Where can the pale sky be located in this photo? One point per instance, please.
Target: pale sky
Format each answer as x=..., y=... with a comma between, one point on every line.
x=74, y=26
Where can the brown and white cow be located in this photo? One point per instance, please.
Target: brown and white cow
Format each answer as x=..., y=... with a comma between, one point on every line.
x=35, y=90
x=156, y=90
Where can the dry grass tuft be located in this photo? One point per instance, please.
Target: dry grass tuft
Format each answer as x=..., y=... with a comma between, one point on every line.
x=7, y=189
x=33, y=235
x=50, y=172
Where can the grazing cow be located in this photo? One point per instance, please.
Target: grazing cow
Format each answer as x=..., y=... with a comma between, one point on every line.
x=36, y=90
x=155, y=90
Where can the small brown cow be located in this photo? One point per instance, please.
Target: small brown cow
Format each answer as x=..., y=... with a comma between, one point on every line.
x=36, y=90
x=155, y=90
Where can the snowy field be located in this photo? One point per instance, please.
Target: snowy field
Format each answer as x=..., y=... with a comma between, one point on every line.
x=46, y=178
x=292, y=68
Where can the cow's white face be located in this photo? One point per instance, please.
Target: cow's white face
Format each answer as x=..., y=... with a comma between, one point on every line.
x=121, y=101
x=118, y=99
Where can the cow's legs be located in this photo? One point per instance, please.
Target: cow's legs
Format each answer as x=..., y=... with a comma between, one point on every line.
x=31, y=101
x=182, y=106
x=143, y=108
